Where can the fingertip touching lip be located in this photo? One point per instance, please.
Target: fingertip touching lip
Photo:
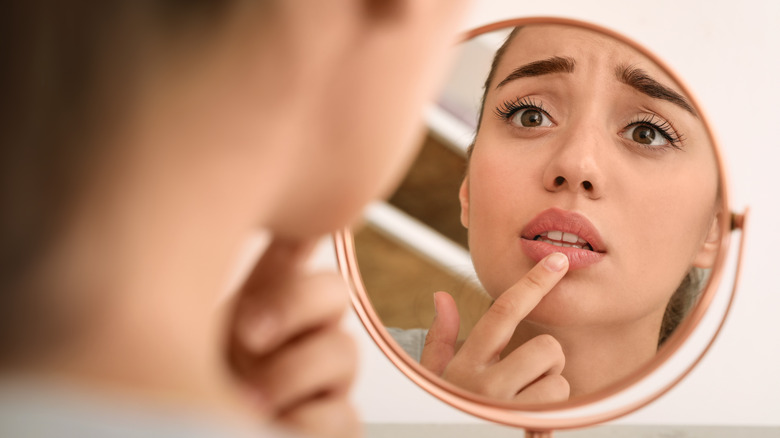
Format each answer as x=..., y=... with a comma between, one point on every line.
x=565, y=229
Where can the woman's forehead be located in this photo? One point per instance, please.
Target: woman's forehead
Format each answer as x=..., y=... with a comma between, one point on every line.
x=586, y=48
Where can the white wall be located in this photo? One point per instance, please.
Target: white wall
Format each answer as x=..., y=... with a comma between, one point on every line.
x=727, y=52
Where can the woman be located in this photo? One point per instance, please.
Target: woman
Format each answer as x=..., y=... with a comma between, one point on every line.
x=590, y=195
x=142, y=143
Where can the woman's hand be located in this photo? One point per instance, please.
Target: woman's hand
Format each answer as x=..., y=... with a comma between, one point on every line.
x=287, y=348
x=529, y=374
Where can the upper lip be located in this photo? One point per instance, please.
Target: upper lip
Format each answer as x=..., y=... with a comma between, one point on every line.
x=555, y=219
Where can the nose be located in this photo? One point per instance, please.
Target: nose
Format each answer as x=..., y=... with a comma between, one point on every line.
x=576, y=166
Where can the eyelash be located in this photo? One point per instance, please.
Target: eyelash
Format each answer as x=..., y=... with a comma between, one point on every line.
x=508, y=108
x=663, y=126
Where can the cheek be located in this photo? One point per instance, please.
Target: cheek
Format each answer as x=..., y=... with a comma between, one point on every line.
x=500, y=200
x=665, y=227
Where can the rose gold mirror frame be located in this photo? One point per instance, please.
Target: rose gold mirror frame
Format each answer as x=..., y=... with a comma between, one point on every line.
x=523, y=415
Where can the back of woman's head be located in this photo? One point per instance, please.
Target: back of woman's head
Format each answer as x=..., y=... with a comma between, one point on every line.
x=67, y=69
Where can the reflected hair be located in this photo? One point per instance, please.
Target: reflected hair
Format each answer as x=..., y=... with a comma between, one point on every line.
x=489, y=80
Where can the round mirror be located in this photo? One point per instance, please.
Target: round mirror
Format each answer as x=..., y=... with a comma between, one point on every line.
x=560, y=236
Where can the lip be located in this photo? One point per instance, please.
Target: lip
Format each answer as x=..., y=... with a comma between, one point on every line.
x=568, y=222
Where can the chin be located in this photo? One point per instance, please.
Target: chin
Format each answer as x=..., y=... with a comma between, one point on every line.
x=569, y=306
x=315, y=219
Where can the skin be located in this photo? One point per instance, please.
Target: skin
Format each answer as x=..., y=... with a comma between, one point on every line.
x=654, y=208
x=224, y=135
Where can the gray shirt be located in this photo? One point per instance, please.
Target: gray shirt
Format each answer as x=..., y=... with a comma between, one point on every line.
x=411, y=340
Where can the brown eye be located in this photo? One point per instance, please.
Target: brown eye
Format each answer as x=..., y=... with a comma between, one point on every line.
x=645, y=135
x=530, y=118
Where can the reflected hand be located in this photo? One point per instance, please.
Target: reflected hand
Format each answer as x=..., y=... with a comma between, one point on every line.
x=529, y=374
x=287, y=347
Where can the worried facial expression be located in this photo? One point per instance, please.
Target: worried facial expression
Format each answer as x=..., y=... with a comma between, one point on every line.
x=589, y=148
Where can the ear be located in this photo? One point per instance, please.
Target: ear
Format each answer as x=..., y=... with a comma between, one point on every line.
x=463, y=195
x=705, y=258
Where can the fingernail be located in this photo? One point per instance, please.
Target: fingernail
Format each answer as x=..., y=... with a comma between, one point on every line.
x=556, y=261
x=435, y=311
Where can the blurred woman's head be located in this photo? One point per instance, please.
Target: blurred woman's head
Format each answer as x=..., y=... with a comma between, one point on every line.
x=150, y=131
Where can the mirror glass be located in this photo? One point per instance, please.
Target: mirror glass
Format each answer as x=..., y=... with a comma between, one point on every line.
x=547, y=138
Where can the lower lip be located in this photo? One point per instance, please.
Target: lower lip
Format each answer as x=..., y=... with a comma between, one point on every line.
x=578, y=258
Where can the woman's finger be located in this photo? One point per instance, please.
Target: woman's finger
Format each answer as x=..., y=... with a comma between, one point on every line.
x=549, y=389
x=264, y=321
x=540, y=356
x=441, y=338
x=280, y=261
x=321, y=362
x=492, y=332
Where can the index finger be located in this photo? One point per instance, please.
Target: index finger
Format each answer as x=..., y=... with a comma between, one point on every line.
x=279, y=261
x=263, y=301
x=271, y=273
x=493, y=331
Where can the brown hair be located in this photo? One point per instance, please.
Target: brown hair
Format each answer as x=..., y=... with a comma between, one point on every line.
x=686, y=294
x=67, y=66
x=486, y=86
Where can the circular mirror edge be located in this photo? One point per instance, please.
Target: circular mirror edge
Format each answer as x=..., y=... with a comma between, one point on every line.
x=516, y=415
x=729, y=220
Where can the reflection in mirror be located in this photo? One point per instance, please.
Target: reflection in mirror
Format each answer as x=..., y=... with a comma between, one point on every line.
x=548, y=140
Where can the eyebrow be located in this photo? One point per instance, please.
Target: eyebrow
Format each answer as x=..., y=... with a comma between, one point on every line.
x=642, y=82
x=556, y=64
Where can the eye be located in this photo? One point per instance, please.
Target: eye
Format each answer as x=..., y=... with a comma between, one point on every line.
x=646, y=135
x=525, y=112
x=530, y=118
x=653, y=132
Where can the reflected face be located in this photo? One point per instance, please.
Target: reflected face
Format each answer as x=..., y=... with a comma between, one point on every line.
x=585, y=142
